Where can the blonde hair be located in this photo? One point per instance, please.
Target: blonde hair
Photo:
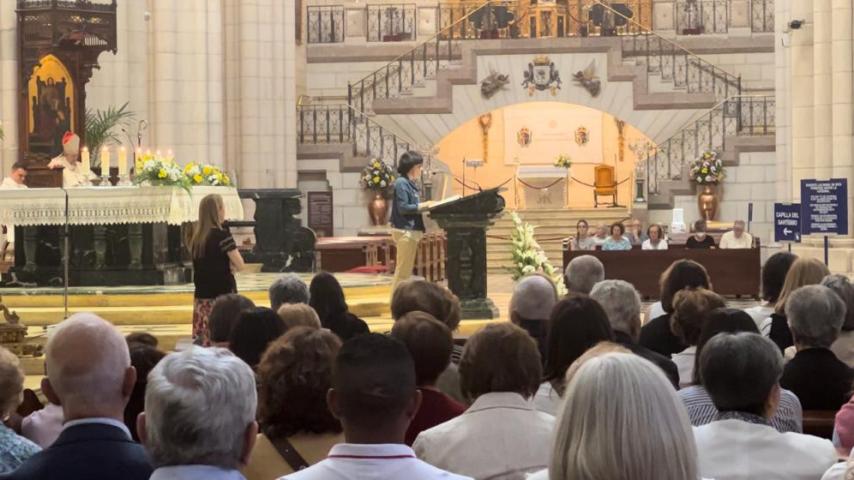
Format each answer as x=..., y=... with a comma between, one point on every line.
x=298, y=315
x=11, y=382
x=622, y=419
x=805, y=271
x=209, y=209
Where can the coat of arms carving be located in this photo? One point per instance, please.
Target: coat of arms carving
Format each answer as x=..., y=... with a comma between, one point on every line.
x=524, y=137
x=582, y=136
x=541, y=76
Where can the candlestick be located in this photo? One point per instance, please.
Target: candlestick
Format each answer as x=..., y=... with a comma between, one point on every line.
x=105, y=164
x=123, y=162
x=157, y=155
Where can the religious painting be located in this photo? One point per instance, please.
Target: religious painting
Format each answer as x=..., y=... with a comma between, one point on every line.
x=541, y=76
x=582, y=136
x=524, y=137
x=50, y=106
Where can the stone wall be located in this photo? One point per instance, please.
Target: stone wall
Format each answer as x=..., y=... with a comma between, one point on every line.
x=349, y=202
x=753, y=181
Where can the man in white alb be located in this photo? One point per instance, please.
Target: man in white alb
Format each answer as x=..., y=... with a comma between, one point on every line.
x=72, y=171
x=17, y=179
x=737, y=237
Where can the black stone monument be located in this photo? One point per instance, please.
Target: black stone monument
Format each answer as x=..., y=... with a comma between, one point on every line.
x=465, y=221
x=281, y=243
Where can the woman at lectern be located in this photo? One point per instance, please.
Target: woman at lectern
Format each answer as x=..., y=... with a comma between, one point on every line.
x=406, y=217
x=215, y=259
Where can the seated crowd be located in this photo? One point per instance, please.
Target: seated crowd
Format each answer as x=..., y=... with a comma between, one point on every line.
x=571, y=388
x=629, y=234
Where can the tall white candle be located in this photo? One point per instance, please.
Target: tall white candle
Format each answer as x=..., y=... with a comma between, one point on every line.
x=105, y=161
x=84, y=157
x=123, y=162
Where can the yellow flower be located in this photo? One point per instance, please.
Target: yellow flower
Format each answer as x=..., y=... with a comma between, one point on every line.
x=226, y=180
x=207, y=170
x=376, y=179
x=197, y=178
x=162, y=173
x=189, y=167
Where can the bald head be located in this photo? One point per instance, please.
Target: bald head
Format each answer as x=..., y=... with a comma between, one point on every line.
x=533, y=298
x=88, y=368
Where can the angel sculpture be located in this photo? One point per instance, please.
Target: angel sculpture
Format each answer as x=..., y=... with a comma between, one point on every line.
x=587, y=78
x=493, y=82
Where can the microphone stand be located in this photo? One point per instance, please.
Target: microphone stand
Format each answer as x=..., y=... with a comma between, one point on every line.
x=66, y=255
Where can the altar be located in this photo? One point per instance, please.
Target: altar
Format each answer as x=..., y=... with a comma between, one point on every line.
x=118, y=235
x=544, y=186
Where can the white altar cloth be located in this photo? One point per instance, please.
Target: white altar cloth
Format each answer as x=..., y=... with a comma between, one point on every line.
x=544, y=186
x=111, y=205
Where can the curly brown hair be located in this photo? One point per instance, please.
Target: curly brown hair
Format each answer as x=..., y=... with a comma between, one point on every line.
x=294, y=376
x=420, y=295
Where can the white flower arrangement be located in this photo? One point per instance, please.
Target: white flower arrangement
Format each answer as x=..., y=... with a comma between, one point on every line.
x=528, y=256
x=161, y=171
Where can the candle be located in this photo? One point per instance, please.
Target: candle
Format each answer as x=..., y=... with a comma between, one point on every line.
x=123, y=162
x=157, y=155
x=105, y=162
x=84, y=156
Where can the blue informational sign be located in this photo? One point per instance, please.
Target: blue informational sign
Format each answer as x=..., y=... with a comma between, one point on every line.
x=787, y=222
x=824, y=207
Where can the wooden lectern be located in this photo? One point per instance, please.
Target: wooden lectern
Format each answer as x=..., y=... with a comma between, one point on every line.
x=465, y=220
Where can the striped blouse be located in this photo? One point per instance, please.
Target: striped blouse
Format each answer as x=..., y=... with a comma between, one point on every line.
x=701, y=410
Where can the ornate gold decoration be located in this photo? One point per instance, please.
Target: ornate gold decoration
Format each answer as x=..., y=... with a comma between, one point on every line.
x=485, y=122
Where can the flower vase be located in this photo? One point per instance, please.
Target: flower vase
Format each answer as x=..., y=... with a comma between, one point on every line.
x=707, y=201
x=378, y=210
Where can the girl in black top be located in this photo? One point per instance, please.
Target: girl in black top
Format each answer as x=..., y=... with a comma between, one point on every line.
x=700, y=239
x=215, y=259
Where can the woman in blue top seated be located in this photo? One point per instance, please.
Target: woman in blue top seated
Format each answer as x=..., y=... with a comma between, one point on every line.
x=406, y=218
x=616, y=241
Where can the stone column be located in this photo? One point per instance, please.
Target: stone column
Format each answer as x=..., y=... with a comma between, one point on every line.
x=8, y=84
x=843, y=96
x=783, y=97
x=822, y=89
x=801, y=61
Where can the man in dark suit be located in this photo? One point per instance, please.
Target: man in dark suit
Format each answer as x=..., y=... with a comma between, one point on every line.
x=622, y=303
x=819, y=379
x=89, y=374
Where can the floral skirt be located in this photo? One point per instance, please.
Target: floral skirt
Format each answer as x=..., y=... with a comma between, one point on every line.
x=201, y=312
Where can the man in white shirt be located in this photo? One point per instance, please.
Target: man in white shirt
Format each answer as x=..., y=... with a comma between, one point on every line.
x=199, y=418
x=737, y=237
x=741, y=372
x=374, y=396
x=17, y=179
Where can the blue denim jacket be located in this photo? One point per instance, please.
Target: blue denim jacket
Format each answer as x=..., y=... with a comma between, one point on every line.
x=404, y=207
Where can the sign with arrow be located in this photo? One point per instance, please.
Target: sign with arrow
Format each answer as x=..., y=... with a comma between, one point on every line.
x=787, y=222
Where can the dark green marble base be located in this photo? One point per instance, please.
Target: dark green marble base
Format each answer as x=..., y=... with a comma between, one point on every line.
x=478, y=309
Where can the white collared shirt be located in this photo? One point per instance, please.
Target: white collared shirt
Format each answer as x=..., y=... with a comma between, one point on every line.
x=500, y=437
x=195, y=472
x=729, y=240
x=97, y=421
x=368, y=462
x=8, y=183
x=735, y=449
x=684, y=361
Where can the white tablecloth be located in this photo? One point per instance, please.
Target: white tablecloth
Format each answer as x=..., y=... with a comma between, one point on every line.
x=111, y=205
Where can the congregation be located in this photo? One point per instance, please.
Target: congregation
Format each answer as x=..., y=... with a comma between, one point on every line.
x=571, y=388
x=626, y=235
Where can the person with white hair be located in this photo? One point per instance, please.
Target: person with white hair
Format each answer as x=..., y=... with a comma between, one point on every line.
x=604, y=395
x=72, y=170
x=199, y=418
x=288, y=288
x=820, y=380
x=741, y=372
x=90, y=375
x=622, y=304
x=531, y=305
x=737, y=237
x=582, y=273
